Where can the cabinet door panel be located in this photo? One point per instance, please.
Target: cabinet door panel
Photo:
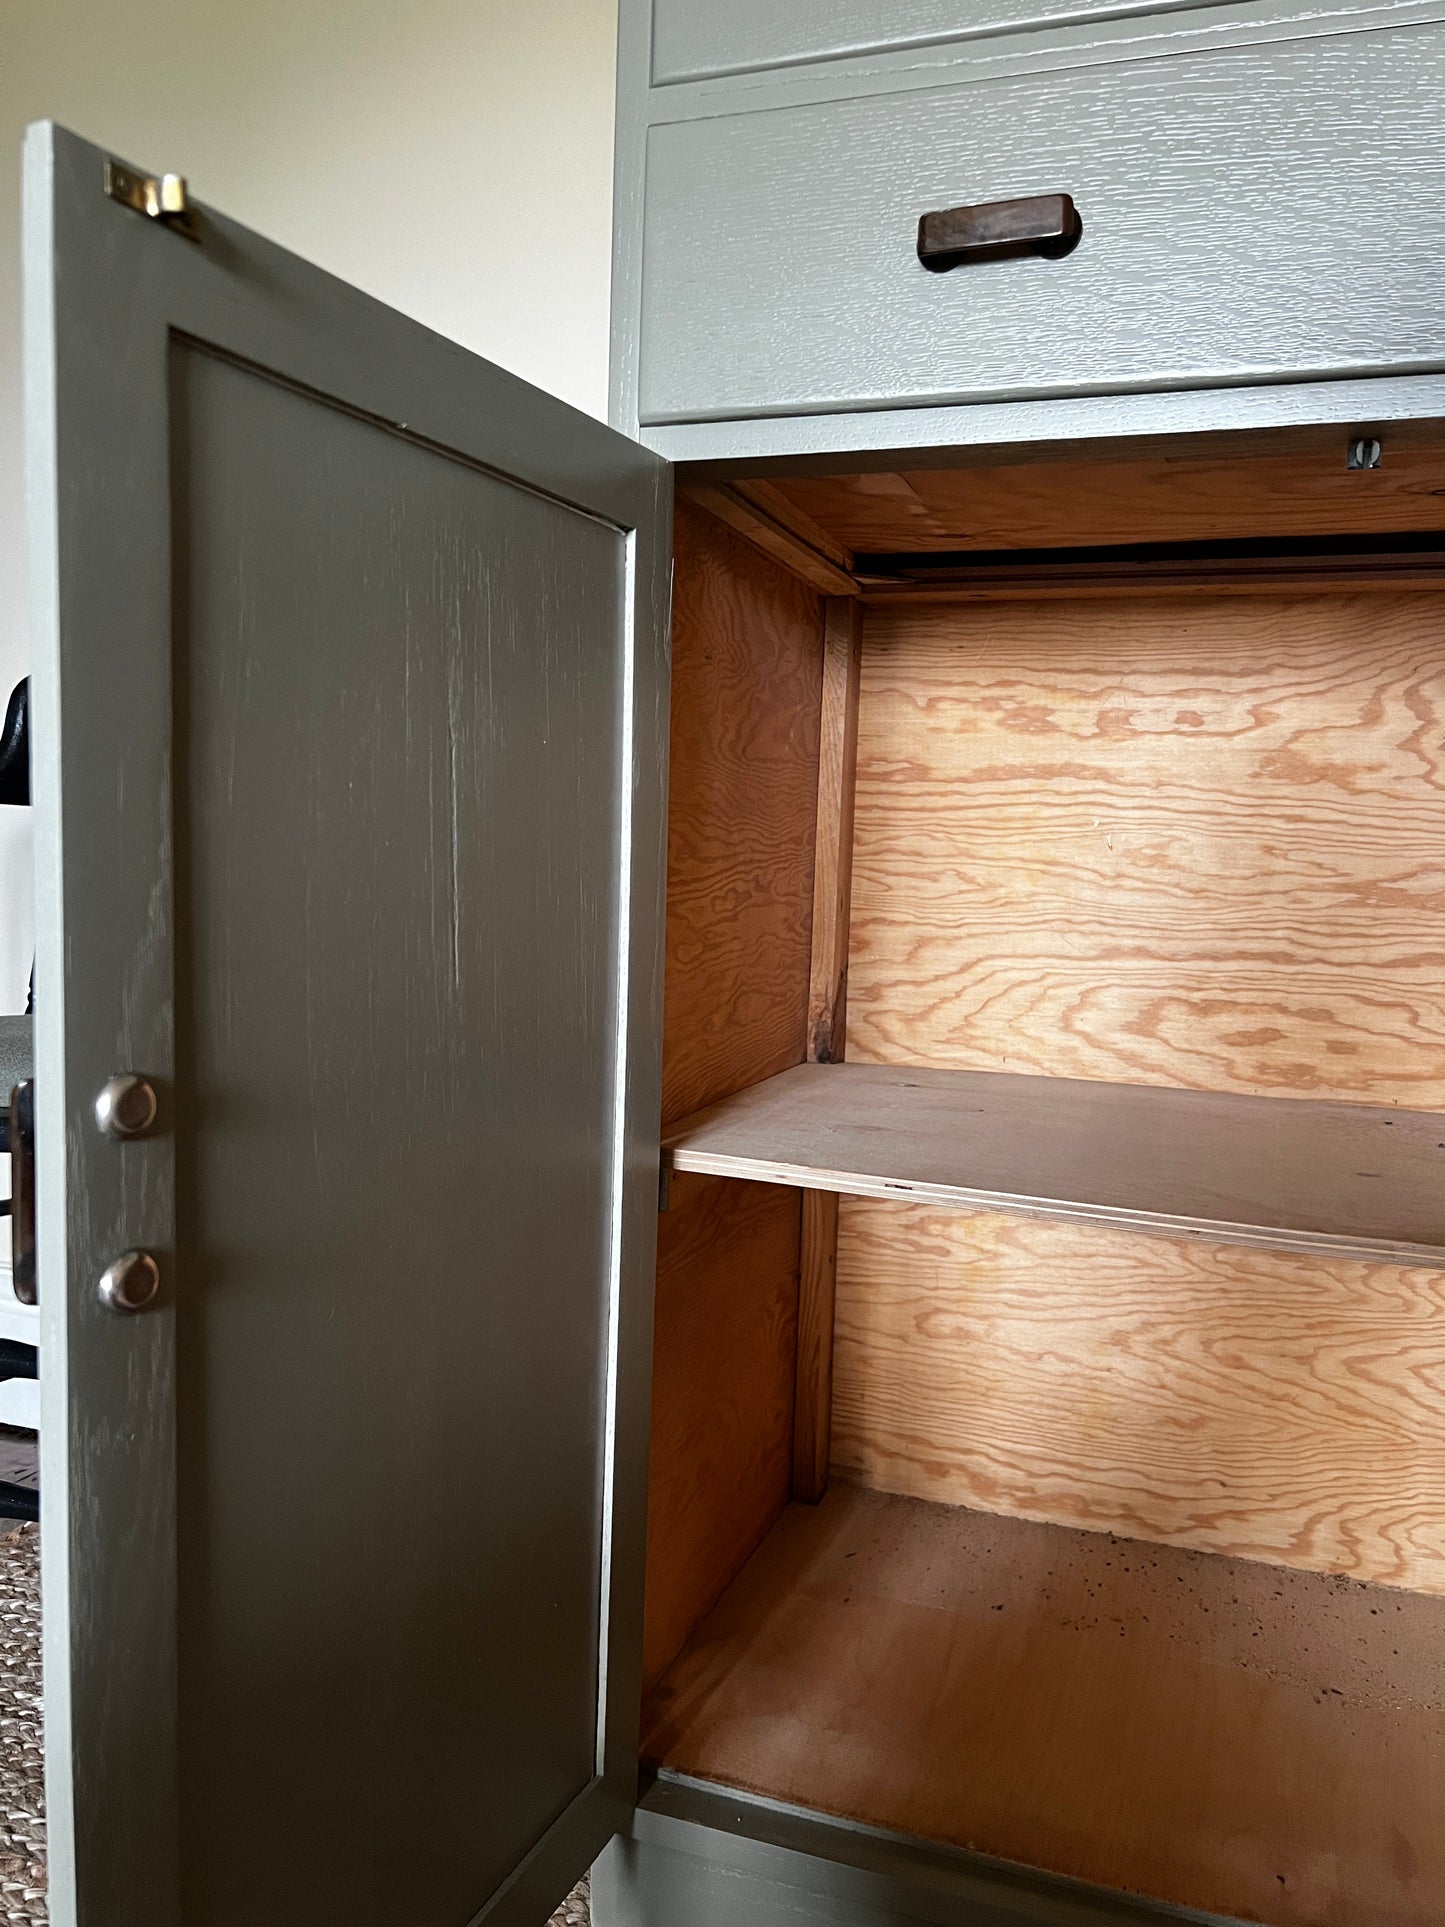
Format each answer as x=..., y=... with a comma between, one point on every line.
x=349, y=654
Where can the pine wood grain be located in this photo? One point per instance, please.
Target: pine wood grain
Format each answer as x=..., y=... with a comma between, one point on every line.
x=1334, y=1180
x=774, y=504
x=756, y=521
x=722, y=1414
x=1246, y=1402
x=746, y=683
x=1192, y=841
x=747, y=671
x=813, y=1385
x=1065, y=504
x=1236, y=1737
x=833, y=842
x=827, y=1028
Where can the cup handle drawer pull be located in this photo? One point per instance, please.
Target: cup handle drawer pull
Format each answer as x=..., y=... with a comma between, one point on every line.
x=1046, y=224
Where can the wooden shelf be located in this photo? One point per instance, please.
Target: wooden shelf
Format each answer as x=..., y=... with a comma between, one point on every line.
x=1221, y=1734
x=1344, y=1180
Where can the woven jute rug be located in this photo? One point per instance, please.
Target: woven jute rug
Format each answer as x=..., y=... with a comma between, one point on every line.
x=22, y=1769
x=22, y=1774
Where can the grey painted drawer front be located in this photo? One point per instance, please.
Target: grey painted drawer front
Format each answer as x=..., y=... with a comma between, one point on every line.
x=1265, y=213
x=693, y=42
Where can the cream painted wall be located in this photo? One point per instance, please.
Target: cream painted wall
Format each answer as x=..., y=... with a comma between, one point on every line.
x=422, y=150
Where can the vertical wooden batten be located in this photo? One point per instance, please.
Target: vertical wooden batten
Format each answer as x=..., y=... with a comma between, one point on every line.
x=744, y=723
x=827, y=1028
x=817, y=1289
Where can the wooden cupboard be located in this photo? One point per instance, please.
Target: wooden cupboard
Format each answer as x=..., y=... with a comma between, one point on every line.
x=1061, y=907
x=1092, y=1528
x=1000, y=1482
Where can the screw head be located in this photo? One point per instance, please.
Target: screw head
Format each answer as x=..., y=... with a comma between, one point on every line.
x=126, y=1107
x=131, y=1282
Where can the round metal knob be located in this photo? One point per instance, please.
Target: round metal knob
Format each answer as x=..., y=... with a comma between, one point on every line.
x=127, y=1106
x=131, y=1283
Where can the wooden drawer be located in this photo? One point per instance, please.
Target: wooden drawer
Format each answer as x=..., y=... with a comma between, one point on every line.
x=698, y=43
x=1265, y=213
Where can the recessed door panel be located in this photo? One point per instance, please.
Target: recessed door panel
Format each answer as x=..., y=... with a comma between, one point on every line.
x=352, y=837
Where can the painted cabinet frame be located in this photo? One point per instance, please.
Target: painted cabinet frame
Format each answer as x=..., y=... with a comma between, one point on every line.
x=108, y=294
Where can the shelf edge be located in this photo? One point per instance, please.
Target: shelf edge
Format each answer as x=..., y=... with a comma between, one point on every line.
x=1318, y=1244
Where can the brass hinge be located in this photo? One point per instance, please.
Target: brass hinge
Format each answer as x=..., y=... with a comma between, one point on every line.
x=161, y=196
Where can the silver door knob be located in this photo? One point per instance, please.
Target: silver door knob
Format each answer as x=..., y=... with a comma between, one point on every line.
x=131, y=1283
x=127, y=1106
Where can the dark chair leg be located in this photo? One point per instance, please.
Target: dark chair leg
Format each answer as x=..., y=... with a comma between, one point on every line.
x=17, y=1359
x=18, y=1501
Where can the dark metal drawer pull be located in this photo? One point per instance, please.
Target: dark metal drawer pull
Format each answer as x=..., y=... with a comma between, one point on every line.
x=1046, y=224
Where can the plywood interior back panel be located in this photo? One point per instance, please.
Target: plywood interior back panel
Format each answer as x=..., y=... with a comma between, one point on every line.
x=1193, y=840
x=1099, y=502
x=1247, y=1402
x=747, y=678
x=1236, y=1737
x=1189, y=841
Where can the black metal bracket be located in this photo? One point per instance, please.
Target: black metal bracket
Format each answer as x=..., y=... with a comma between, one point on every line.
x=15, y=746
x=22, y=1191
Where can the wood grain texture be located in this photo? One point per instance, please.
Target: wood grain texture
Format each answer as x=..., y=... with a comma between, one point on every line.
x=382, y=681
x=1191, y=841
x=779, y=539
x=746, y=683
x=1095, y=503
x=773, y=503
x=833, y=842
x=747, y=676
x=827, y=1028
x=813, y=1394
x=781, y=277
x=401, y=799
x=1245, y=1402
x=1241, y=1738
x=1334, y=1180
x=722, y=1415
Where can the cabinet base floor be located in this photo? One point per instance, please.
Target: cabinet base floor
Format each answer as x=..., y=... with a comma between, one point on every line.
x=1210, y=1732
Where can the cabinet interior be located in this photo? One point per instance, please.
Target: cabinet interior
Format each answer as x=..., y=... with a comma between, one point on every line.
x=1049, y=1387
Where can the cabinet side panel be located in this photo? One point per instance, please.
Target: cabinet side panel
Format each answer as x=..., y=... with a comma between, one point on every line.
x=1185, y=841
x=747, y=685
x=746, y=690
x=723, y=1365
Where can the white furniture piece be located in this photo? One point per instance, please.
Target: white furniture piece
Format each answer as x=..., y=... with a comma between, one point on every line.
x=19, y=1397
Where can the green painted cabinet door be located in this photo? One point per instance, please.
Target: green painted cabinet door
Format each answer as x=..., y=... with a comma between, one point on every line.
x=349, y=708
